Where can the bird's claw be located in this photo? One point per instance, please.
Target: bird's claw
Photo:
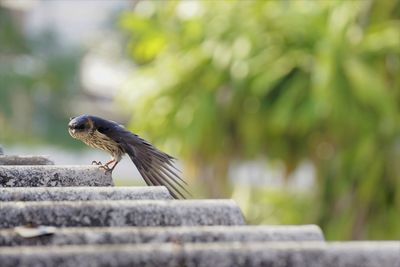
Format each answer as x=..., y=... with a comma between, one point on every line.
x=107, y=170
x=96, y=162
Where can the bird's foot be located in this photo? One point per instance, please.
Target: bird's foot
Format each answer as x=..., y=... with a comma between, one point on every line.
x=107, y=170
x=97, y=163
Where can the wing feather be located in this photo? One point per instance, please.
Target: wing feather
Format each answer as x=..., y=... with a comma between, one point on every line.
x=155, y=166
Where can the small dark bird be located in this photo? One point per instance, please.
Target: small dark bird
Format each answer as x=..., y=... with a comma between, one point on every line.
x=155, y=166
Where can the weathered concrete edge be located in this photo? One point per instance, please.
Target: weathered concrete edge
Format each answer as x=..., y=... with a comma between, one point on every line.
x=83, y=193
x=299, y=254
x=185, y=234
x=24, y=160
x=53, y=175
x=121, y=213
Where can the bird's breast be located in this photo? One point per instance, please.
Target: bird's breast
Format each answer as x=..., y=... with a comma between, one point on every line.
x=103, y=142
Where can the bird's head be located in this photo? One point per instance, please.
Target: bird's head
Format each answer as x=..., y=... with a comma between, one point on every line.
x=80, y=125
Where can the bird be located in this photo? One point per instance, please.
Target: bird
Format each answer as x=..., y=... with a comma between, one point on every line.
x=155, y=166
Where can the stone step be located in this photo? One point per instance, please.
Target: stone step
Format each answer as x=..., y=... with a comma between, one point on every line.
x=248, y=254
x=25, y=160
x=194, y=234
x=83, y=193
x=53, y=175
x=121, y=213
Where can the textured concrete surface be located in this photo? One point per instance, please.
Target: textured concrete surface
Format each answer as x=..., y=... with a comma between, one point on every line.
x=83, y=193
x=53, y=175
x=288, y=254
x=194, y=234
x=25, y=160
x=121, y=213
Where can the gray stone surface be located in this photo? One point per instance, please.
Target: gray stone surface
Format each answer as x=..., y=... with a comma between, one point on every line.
x=121, y=213
x=25, y=160
x=1, y=151
x=288, y=254
x=53, y=175
x=194, y=234
x=83, y=193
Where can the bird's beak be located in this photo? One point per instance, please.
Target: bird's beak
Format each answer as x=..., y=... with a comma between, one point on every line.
x=71, y=129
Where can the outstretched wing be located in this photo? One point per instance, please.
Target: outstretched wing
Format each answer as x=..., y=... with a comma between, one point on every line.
x=155, y=166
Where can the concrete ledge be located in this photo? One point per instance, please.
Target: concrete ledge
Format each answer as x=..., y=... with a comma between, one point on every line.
x=121, y=213
x=195, y=234
x=25, y=160
x=39, y=176
x=299, y=254
x=83, y=193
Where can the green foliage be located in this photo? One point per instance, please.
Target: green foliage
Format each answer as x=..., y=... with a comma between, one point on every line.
x=274, y=206
x=37, y=78
x=293, y=80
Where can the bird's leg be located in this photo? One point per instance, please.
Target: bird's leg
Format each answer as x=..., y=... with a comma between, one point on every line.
x=113, y=167
x=108, y=163
x=107, y=168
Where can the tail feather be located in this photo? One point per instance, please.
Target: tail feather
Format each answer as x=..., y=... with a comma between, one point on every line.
x=147, y=180
x=165, y=182
x=167, y=167
x=156, y=182
x=155, y=168
x=176, y=181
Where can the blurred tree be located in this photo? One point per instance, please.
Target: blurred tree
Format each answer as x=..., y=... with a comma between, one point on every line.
x=292, y=80
x=37, y=78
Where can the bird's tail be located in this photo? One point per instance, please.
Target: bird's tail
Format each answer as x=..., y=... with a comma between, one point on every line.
x=157, y=168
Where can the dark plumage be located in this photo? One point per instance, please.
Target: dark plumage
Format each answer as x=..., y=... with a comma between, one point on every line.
x=155, y=166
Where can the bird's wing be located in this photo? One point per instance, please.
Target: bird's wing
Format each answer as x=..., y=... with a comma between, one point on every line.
x=155, y=166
